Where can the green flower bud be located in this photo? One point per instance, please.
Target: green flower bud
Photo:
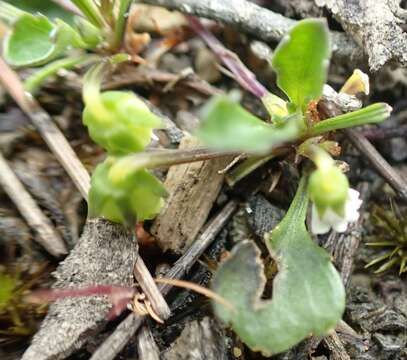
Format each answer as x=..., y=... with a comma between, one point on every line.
x=124, y=195
x=328, y=188
x=119, y=121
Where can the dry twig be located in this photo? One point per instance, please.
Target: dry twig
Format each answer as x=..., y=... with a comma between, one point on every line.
x=46, y=234
x=251, y=18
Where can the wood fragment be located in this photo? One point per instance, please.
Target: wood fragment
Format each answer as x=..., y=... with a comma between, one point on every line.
x=205, y=337
x=336, y=347
x=46, y=235
x=193, y=188
x=146, y=346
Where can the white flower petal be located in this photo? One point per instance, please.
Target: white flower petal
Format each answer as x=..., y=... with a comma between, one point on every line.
x=332, y=219
x=318, y=226
x=340, y=226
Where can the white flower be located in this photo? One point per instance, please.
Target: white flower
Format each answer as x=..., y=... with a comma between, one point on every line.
x=331, y=219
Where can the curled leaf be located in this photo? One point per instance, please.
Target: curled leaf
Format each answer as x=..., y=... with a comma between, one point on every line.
x=34, y=40
x=308, y=294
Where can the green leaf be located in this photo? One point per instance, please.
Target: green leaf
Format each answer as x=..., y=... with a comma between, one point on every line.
x=308, y=294
x=301, y=62
x=46, y=7
x=120, y=194
x=227, y=126
x=35, y=81
x=371, y=114
x=34, y=40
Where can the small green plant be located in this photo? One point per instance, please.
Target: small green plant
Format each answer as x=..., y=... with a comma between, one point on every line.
x=117, y=120
x=308, y=294
x=390, y=234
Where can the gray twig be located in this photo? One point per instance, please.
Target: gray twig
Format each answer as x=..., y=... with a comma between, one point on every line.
x=262, y=23
x=148, y=285
x=380, y=164
x=146, y=346
x=129, y=326
x=46, y=234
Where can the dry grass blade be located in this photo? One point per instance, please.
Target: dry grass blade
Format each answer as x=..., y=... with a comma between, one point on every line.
x=197, y=288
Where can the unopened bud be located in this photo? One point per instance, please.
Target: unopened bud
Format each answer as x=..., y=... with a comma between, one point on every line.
x=357, y=83
x=328, y=188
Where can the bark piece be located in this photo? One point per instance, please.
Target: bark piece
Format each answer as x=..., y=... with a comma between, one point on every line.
x=193, y=188
x=374, y=25
x=105, y=254
x=202, y=340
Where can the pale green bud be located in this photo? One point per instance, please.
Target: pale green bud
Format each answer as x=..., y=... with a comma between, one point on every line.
x=328, y=188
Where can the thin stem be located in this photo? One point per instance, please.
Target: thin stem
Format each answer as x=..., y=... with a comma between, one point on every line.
x=242, y=74
x=34, y=82
x=198, y=289
x=378, y=162
x=165, y=158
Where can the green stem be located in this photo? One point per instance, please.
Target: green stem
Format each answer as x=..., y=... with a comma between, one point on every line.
x=9, y=13
x=91, y=11
x=91, y=92
x=34, y=82
x=121, y=22
x=165, y=158
x=246, y=167
x=374, y=113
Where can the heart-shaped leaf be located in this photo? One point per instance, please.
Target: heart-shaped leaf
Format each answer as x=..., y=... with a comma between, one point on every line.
x=34, y=40
x=301, y=62
x=227, y=126
x=308, y=294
